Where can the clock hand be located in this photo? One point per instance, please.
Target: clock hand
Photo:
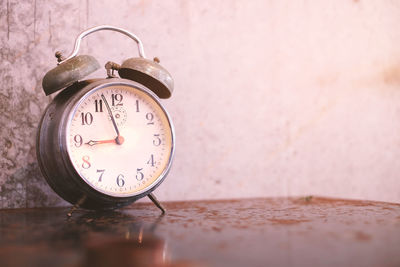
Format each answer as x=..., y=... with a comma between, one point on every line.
x=117, y=139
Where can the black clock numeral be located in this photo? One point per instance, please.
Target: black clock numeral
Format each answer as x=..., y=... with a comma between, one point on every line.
x=116, y=99
x=157, y=140
x=120, y=180
x=150, y=117
x=137, y=105
x=98, y=105
x=101, y=174
x=151, y=160
x=86, y=164
x=78, y=140
x=139, y=174
x=87, y=118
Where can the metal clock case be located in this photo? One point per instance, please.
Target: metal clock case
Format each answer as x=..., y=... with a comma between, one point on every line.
x=105, y=143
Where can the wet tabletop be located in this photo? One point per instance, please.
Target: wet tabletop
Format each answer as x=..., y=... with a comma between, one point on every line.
x=308, y=231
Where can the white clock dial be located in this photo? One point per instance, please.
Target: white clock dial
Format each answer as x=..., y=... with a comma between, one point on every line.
x=125, y=156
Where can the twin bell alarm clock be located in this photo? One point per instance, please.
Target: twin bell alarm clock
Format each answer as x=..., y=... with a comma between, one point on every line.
x=104, y=143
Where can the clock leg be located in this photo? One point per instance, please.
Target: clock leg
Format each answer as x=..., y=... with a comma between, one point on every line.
x=155, y=201
x=76, y=206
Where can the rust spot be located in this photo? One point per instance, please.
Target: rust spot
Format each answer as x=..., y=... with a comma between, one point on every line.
x=8, y=143
x=308, y=198
x=286, y=221
x=361, y=236
x=217, y=229
x=391, y=75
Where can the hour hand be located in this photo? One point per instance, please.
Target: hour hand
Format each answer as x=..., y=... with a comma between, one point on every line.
x=118, y=140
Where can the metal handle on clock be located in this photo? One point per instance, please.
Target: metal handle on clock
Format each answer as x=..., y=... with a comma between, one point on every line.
x=100, y=28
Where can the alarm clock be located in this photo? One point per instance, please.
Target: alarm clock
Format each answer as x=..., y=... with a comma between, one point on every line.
x=104, y=143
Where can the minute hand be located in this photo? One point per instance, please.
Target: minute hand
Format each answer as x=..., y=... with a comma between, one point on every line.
x=112, y=117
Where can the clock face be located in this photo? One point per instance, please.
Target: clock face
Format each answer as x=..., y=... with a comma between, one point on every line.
x=119, y=140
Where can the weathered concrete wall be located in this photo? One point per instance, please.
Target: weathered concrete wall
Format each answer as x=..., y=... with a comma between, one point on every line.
x=271, y=98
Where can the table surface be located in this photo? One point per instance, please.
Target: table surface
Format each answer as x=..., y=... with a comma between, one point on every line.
x=310, y=231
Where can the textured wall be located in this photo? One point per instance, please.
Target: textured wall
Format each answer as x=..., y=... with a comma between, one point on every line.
x=272, y=98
